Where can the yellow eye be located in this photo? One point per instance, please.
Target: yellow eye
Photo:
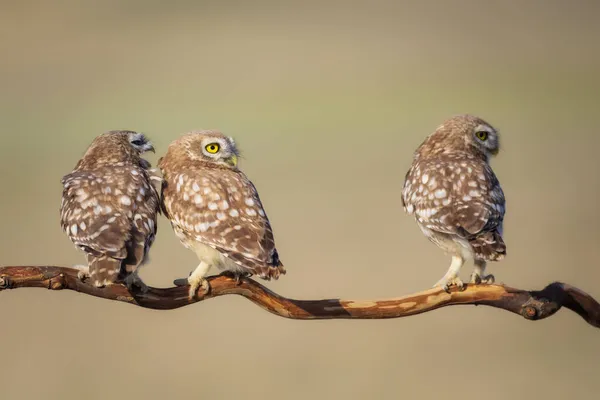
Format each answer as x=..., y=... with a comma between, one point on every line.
x=481, y=135
x=212, y=148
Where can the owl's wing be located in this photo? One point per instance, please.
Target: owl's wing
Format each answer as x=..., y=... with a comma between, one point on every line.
x=480, y=202
x=90, y=216
x=101, y=210
x=222, y=209
x=453, y=198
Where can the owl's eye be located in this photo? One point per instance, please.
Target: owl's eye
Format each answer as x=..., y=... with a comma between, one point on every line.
x=481, y=135
x=138, y=142
x=212, y=148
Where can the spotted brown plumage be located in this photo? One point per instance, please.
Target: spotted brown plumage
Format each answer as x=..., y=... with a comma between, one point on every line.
x=109, y=207
x=215, y=209
x=455, y=196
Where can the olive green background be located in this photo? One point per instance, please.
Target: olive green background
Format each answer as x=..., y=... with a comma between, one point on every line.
x=328, y=101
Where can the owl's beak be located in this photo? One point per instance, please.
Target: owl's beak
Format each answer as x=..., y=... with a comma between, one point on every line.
x=233, y=160
x=150, y=147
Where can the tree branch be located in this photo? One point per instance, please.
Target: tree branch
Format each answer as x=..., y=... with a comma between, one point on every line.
x=532, y=305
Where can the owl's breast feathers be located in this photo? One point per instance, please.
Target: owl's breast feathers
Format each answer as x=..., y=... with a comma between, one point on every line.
x=458, y=195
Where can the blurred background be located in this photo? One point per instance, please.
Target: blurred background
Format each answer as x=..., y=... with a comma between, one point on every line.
x=328, y=101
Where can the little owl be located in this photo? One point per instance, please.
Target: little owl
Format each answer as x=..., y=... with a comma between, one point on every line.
x=109, y=208
x=215, y=210
x=456, y=198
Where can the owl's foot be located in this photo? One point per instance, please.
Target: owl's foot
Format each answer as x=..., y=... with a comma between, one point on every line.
x=134, y=280
x=477, y=279
x=196, y=283
x=238, y=276
x=83, y=272
x=447, y=282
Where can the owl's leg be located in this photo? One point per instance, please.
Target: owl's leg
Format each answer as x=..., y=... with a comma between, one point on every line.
x=451, y=278
x=104, y=270
x=196, y=280
x=478, y=276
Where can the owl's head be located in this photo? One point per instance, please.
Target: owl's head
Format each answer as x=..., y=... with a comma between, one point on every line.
x=210, y=147
x=120, y=146
x=465, y=133
x=482, y=136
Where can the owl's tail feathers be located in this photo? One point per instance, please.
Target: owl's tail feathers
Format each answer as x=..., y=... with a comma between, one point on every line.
x=489, y=246
x=272, y=270
x=275, y=271
x=104, y=270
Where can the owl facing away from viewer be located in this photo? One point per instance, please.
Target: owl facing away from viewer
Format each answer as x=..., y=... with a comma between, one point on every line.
x=215, y=210
x=456, y=198
x=109, y=208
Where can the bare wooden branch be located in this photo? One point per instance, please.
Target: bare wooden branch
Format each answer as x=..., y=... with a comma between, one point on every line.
x=533, y=305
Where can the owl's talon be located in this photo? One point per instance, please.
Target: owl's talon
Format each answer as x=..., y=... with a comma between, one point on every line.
x=196, y=284
x=477, y=279
x=446, y=283
x=180, y=282
x=134, y=280
x=83, y=272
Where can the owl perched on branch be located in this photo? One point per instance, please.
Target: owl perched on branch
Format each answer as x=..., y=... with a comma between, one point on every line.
x=456, y=198
x=109, y=208
x=215, y=210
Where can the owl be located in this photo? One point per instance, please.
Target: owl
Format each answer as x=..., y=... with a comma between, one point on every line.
x=456, y=198
x=215, y=210
x=109, y=208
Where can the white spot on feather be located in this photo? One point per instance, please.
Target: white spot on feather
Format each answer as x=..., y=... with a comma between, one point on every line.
x=440, y=193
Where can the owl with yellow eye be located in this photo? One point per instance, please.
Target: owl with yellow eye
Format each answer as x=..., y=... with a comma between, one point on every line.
x=215, y=209
x=456, y=198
